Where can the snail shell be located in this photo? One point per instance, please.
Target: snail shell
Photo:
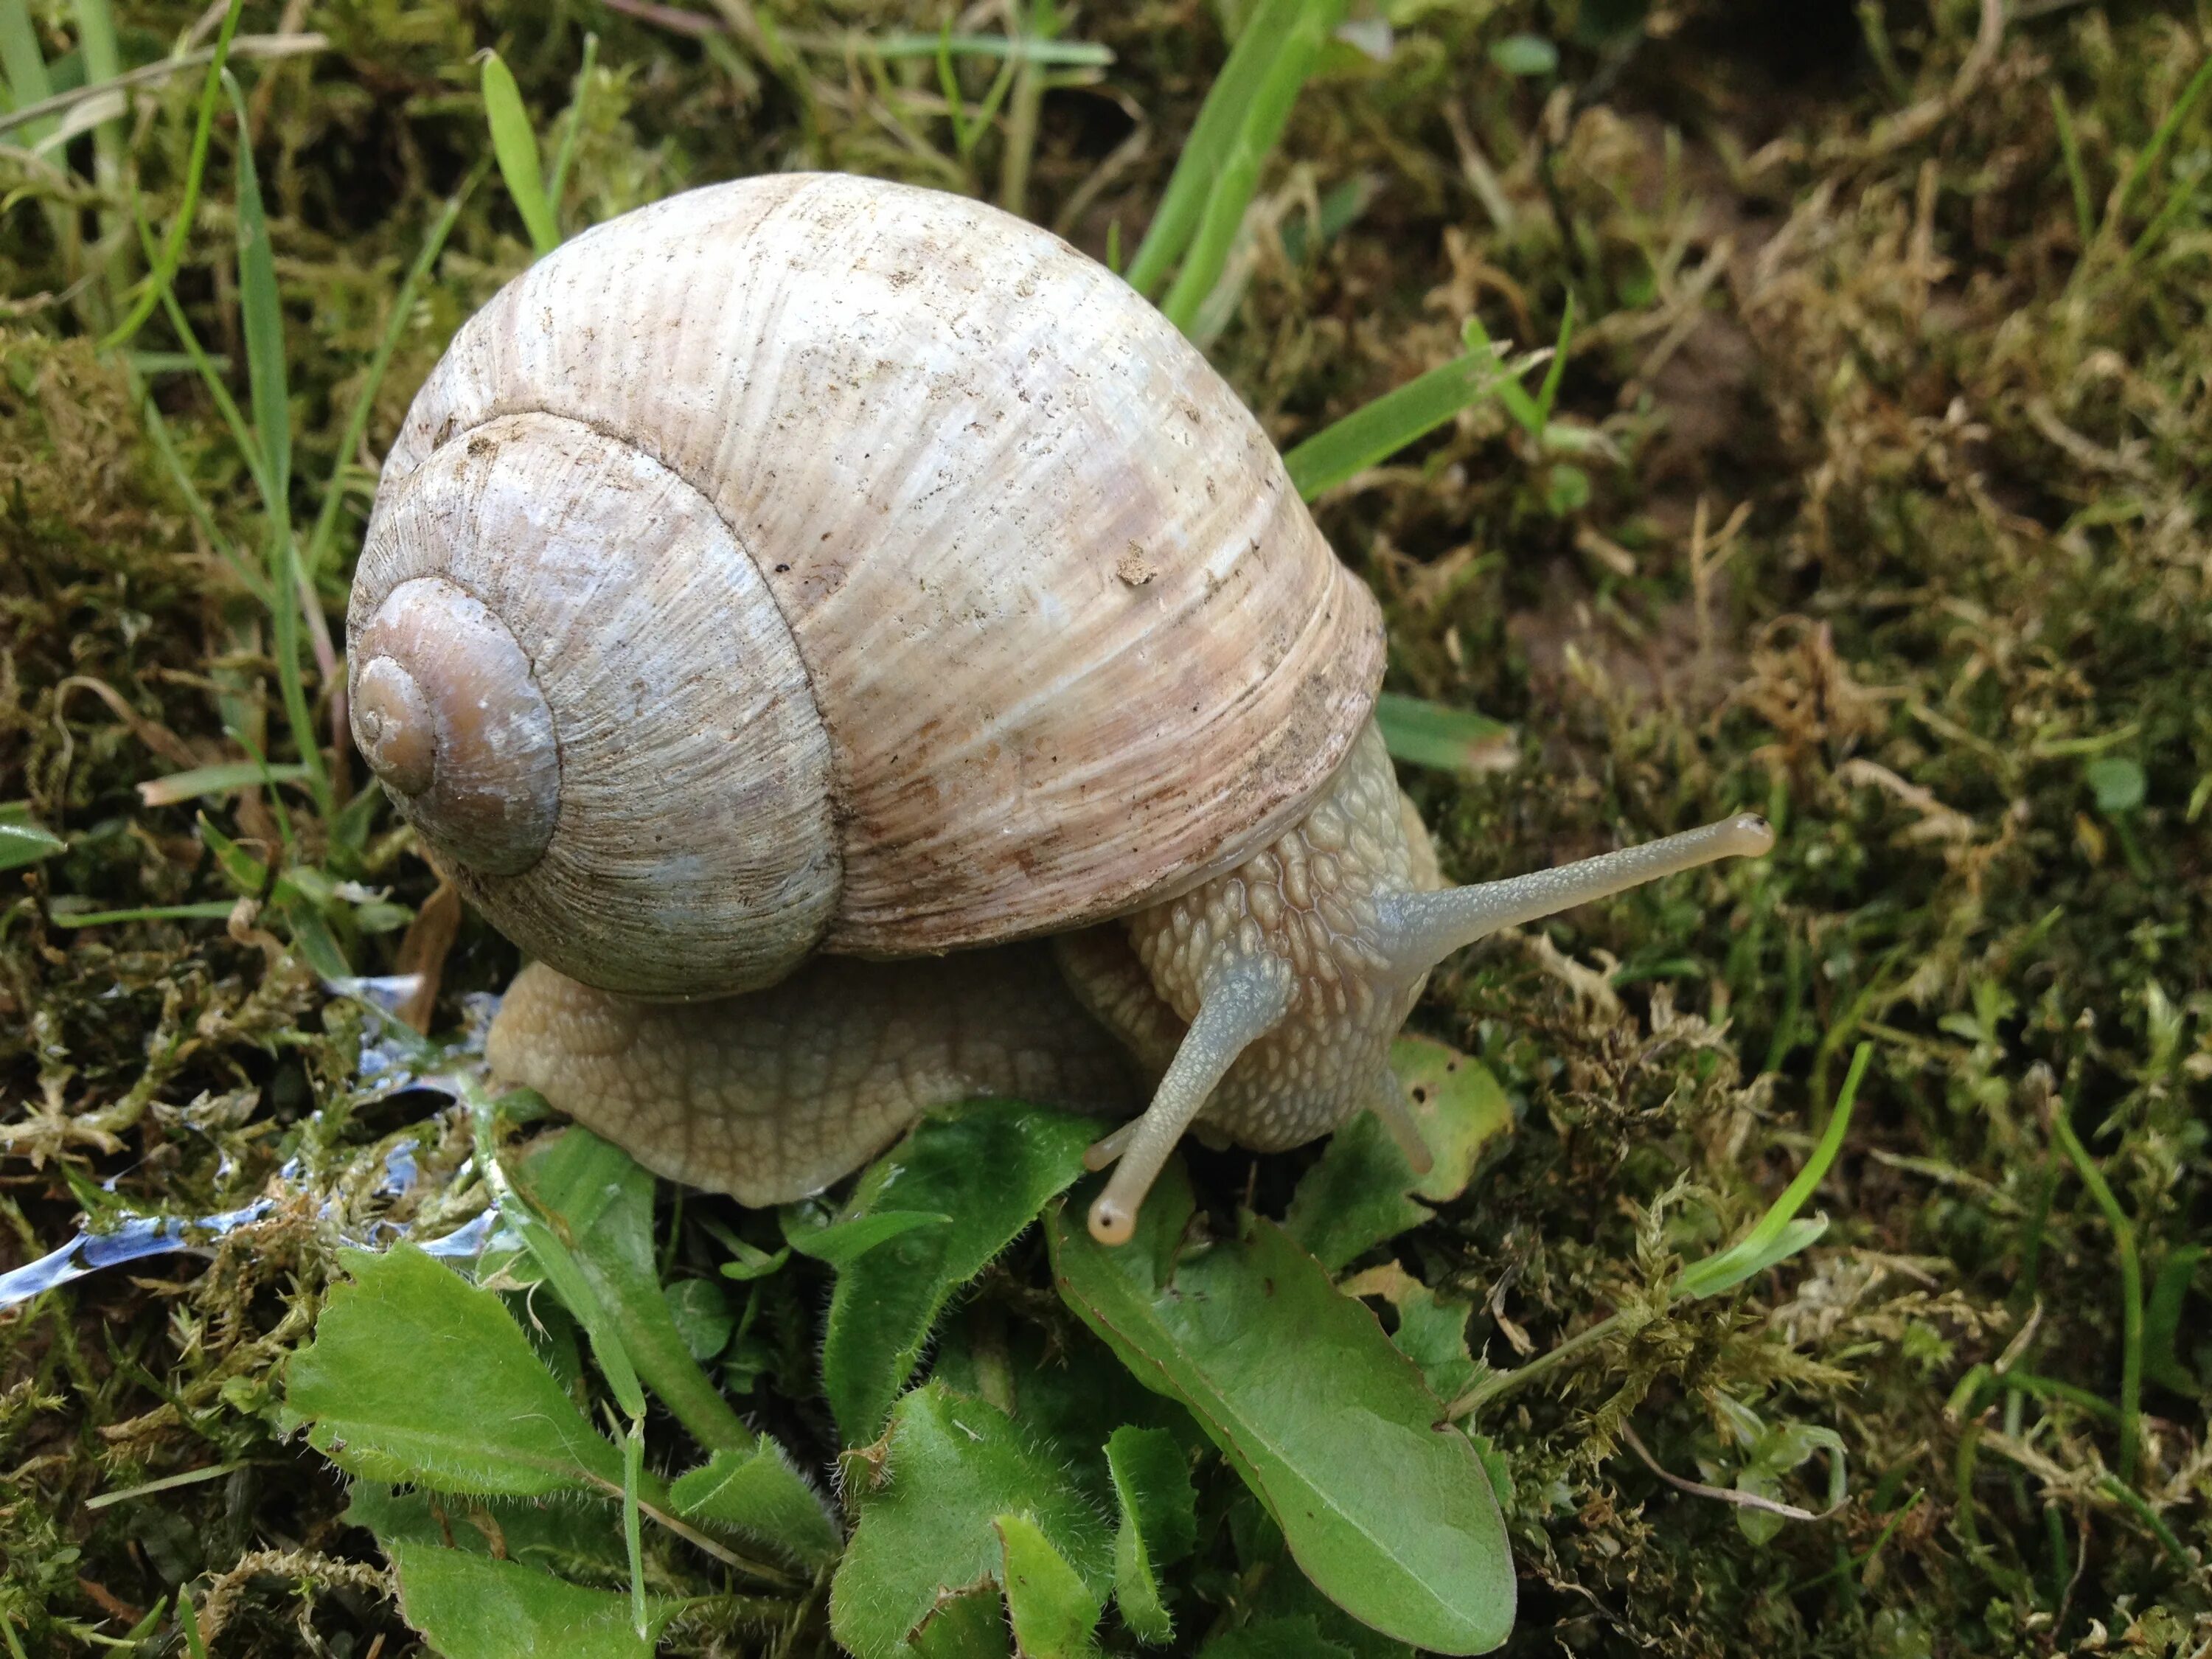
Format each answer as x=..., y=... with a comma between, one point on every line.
x=811, y=562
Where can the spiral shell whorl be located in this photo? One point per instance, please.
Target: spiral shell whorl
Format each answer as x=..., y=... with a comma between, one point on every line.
x=575, y=686
x=447, y=713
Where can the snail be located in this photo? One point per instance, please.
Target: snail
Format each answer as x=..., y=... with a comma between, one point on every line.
x=866, y=658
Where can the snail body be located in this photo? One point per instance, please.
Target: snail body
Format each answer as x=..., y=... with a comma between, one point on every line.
x=811, y=568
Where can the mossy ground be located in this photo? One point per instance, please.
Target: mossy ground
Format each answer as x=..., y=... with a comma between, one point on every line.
x=1880, y=504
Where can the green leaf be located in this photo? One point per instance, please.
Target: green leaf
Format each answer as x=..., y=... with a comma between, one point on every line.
x=1159, y=1523
x=1331, y=1427
x=1431, y=1329
x=1379, y=430
x=23, y=839
x=1459, y=1106
x=700, y=1310
x=472, y=1606
x=843, y=1242
x=760, y=1494
x=2117, y=783
x=986, y=1172
x=600, y=1201
x=577, y=1536
x=928, y=1496
x=1052, y=1610
x=1357, y=1196
x=1525, y=55
x=515, y=144
x=969, y=1626
x=415, y=1376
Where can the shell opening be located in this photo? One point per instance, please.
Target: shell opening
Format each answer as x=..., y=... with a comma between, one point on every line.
x=447, y=713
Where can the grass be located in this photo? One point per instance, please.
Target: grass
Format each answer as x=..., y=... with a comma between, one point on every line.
x=1861, y=483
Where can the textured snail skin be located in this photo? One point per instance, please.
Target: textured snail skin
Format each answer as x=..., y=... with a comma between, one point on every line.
x=774, y=1095
x=1259, y=1009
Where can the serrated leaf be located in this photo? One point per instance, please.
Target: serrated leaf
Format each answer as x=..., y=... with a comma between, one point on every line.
x=970, y=1626
x=1051, y=1609
x=472, y=1606
x=23, y=839
x=987, y=1171
x=1387, y=1512
x=1157, y=1526
x=843, y=1242
x=494, y=1421
x=760, y=1494
x=928, y=1495
x=599, y=1201
x=578, y=1535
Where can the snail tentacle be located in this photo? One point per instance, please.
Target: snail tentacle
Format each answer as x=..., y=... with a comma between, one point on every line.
x=1246, y=996
x=1423, y=928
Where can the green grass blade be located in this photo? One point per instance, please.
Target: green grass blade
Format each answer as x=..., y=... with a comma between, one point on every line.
x=1297, y=48
x=23, y=66
x=2085, y=220
x=1224, y=113
x=515, y=144
x=1764, y=1244
x=1451, y=739
x=212, y=910
x=403, y=306
x=218, y=779
x=1511, y=393
x=2131, y=1296
x=569, y=125
x=1376, y=430
x=1548, y=393
x=163, y=269
x=1025, y=48
x=2159, y=140
x=262, y=323
x=262, y=317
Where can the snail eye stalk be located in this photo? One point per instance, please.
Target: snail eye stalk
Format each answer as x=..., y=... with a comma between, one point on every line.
x=1423, y=928
x=1243, y=998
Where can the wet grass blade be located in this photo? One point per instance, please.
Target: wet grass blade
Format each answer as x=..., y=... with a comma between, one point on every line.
x=1375, y=431
x=23, y=65
x=1779, y=1234
x=1223, y=117
x=402, y=305
x=2131, y=1296
x=163, y=270
x=1427, y=734
x=262, y=322
x=515, y=143
x=1295, y=30
x=23, y=839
